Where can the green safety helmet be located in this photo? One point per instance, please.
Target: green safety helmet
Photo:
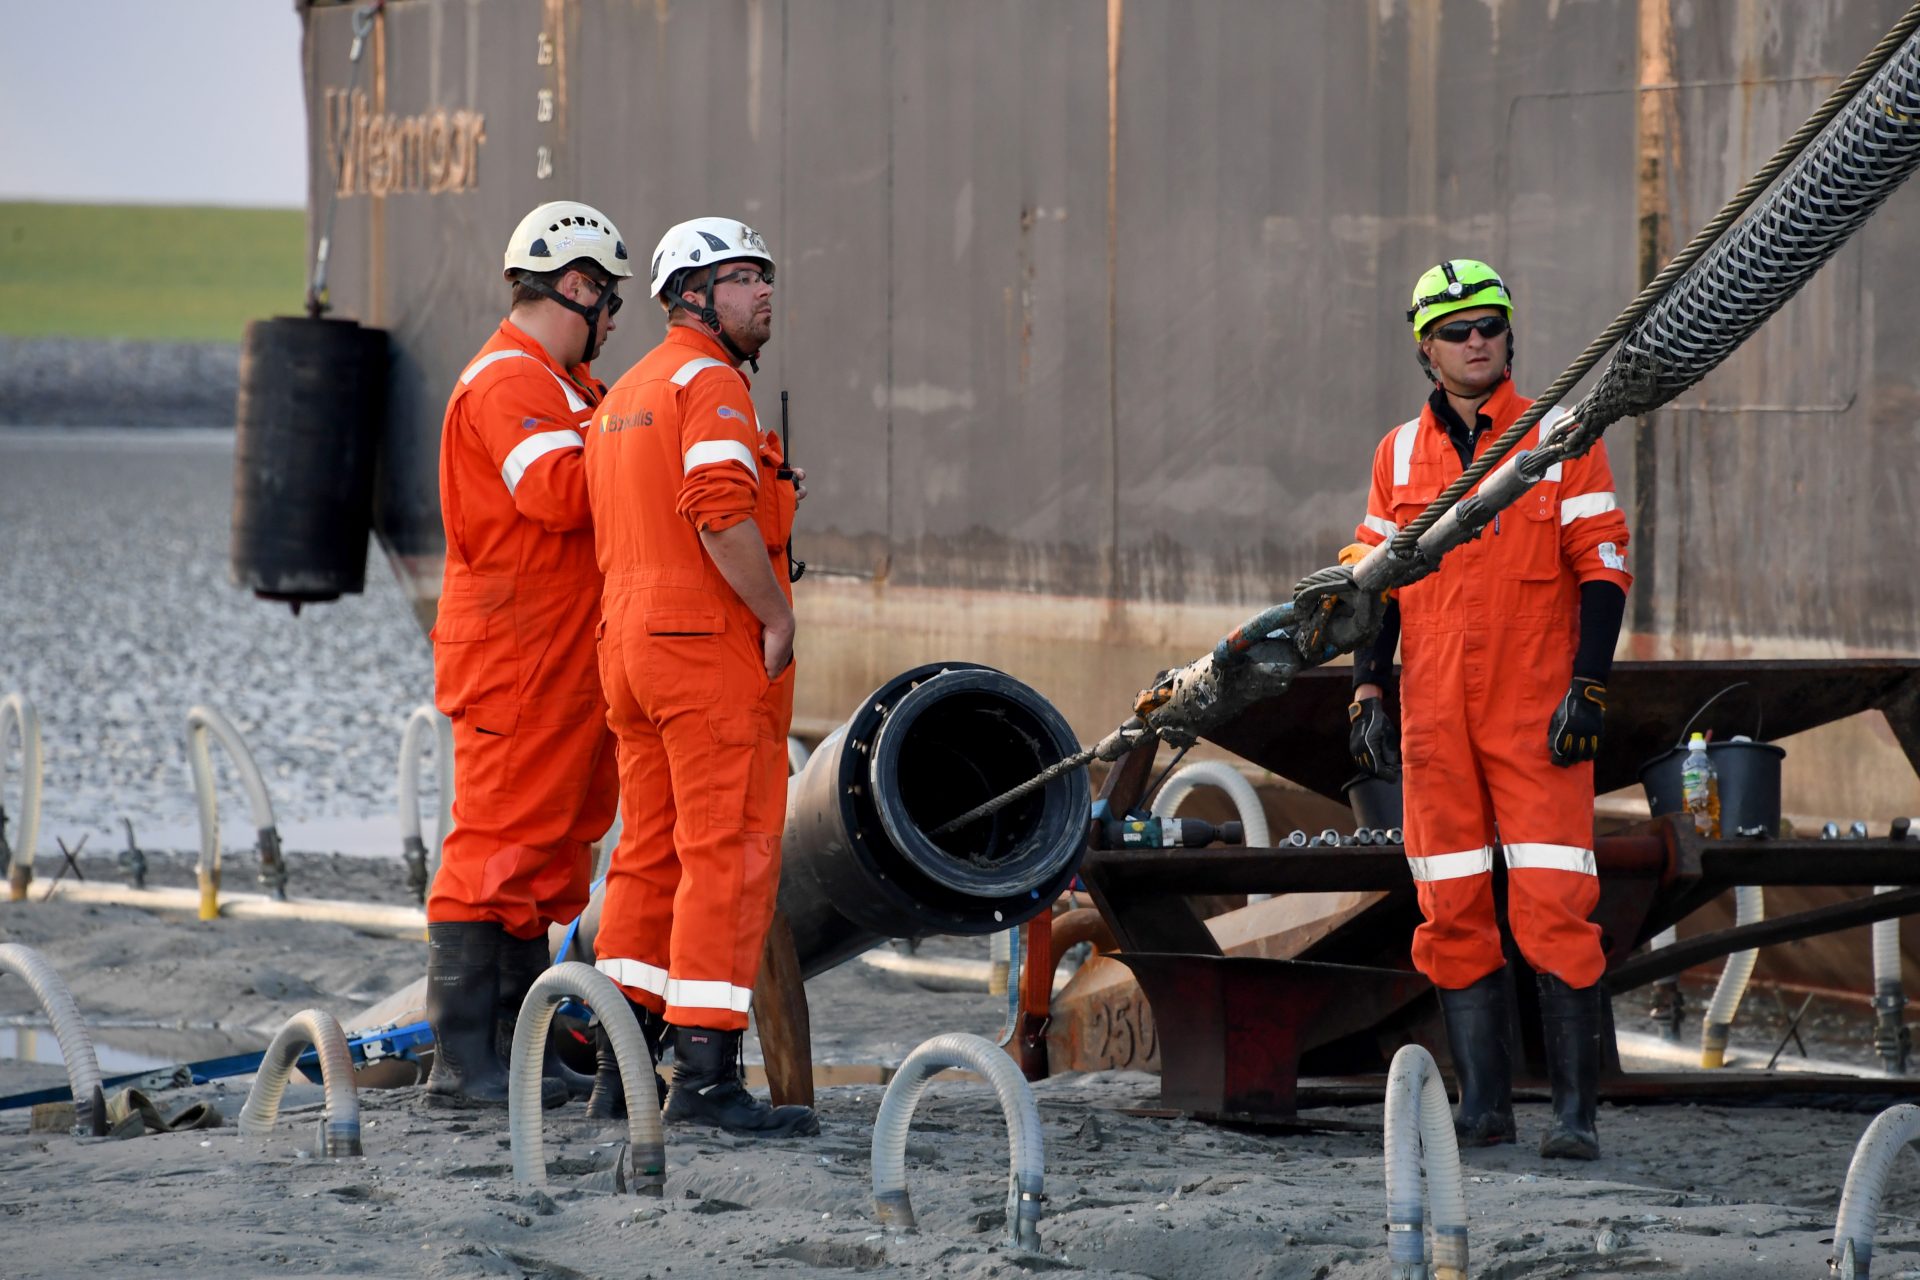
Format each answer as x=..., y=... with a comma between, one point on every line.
x=1456, y=285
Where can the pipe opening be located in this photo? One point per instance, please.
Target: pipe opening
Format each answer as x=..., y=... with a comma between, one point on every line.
x=958, y=740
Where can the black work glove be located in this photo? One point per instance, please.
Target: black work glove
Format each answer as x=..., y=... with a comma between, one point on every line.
x=1372, y=740
x=1578, y=723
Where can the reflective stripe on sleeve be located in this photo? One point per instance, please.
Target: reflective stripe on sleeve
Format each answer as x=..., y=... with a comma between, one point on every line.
x=1403, y=450
x=1549, y=857
x=632, y=973
x=1582, y=505
x=1452, y=866
x=574, y=402
x=1385, y=528
x=691, y=369
x=533, y=448
x=688, y=994
x=707, y=452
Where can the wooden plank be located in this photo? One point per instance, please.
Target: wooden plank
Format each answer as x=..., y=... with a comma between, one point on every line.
x=780, y=1015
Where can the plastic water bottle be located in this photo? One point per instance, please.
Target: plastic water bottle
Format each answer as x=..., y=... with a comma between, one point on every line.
x=1700, y=787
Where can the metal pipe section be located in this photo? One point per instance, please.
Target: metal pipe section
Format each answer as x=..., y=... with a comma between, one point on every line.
x=1420, y=1123
x=203, y=721
x=17, y=711
x=797, y=755
x=1220, y=774
x=1889, y=1134
x=425, y=725
x=1750, y=907
x=646, y=1148
x=76, y=1046
x=858, y=862
x=1026, y=1175
x=340, y=1122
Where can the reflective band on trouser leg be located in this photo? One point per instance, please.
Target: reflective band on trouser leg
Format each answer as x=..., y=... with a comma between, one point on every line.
x=1449, y=826
x=634, y=974
x=691, y=996
x=1545, y=815
x=1452, y=866
x=642, y=872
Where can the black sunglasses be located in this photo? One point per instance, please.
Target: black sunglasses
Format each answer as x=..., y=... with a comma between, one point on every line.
x=615, y=302
x=1488, y=327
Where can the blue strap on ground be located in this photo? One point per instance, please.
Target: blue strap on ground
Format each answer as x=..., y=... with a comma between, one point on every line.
x=368, y=1047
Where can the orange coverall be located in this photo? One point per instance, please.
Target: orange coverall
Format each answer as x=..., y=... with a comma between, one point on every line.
x=676, y=448
x=1486, y=656
x=513, y=656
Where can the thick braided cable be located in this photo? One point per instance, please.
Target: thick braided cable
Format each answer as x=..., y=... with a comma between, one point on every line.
x=1643, y=302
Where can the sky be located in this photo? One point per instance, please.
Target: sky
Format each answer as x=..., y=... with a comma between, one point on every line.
x=152, y=102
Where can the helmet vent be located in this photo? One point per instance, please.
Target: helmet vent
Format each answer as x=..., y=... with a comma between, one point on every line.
x=539, y=250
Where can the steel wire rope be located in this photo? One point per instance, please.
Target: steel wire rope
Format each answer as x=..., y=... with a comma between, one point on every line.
x=1404, y=541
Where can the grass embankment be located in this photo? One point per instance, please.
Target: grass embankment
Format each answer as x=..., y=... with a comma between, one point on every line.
x=152, y=272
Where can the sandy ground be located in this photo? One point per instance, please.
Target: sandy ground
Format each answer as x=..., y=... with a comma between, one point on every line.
x=1682, y=1190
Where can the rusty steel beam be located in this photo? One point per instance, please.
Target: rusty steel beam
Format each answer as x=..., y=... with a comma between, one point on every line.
x=1680, y=956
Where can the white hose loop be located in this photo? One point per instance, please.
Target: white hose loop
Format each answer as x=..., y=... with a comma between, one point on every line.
x=15, y=710
x=340, y=1122
x=1867, y=1176
x=1216, y=773
x=76, y=1046
x=1750, y=907
x=1026, y=1178
x=797, y=756
x=202, y=721
x=425, y=726
x=1420, y=1123
x=647, y=1149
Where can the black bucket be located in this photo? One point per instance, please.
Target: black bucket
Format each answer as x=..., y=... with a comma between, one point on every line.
x=1749, y=775
x=1375, y=803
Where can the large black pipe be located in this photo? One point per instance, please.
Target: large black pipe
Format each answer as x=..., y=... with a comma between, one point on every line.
x=857, y=864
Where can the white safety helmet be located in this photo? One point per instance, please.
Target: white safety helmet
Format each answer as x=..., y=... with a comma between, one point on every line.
x=564, y=231
x=701, y=242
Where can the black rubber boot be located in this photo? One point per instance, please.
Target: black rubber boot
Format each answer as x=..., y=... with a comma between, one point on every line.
x=709, y=1088
x=1571, y=1017
x=522, y=961
x=463, y=990
x=609, y=1100
x=1477, y=1035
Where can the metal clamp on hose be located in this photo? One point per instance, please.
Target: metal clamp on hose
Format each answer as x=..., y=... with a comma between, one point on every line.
x=1419, y=1123
x=1026, y=1177
x=646, y=1148
x=76, y=1047
x=425, y=725
x=340, y=1122
x=202, y=721
x=17, y=711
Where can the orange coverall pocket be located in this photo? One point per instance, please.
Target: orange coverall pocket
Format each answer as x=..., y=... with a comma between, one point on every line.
x=1537, y=558
x=731, y=776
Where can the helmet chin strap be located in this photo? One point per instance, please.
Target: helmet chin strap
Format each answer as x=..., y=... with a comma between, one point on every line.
x=589, y=313
x=710, y=320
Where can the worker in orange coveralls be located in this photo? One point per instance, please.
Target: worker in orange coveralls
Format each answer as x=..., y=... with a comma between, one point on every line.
x=693, y=510
x=514, y=663
x=1506, y=650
